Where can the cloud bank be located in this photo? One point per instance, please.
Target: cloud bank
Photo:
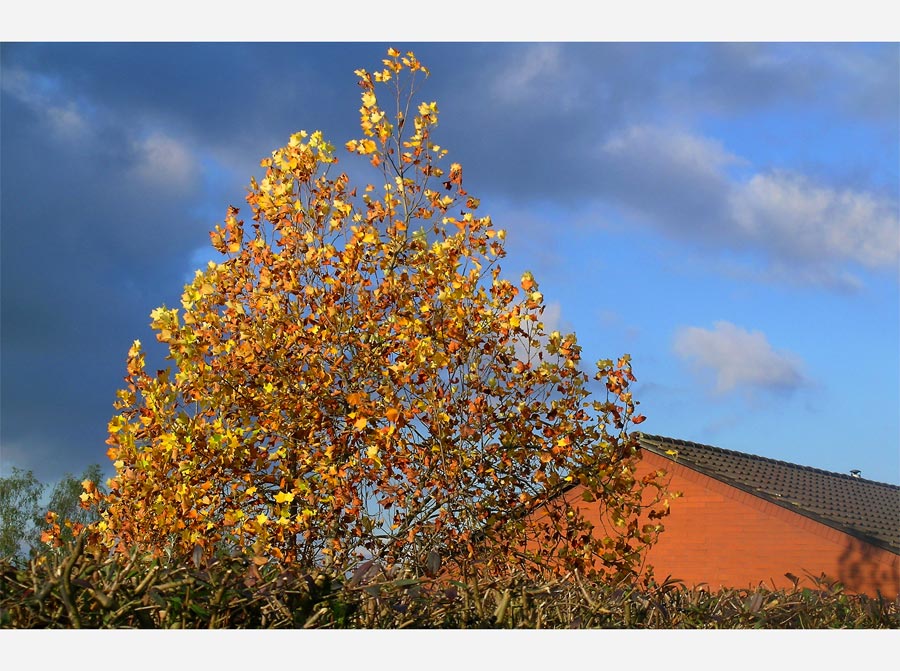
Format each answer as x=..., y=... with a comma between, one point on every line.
x=685, y=185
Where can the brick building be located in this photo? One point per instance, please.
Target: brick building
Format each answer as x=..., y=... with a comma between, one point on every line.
x=745, y=520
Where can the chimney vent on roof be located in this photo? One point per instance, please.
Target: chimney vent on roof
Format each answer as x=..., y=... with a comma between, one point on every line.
x=855, y=472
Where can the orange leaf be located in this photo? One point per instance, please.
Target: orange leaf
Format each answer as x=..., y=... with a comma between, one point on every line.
x=527, y=281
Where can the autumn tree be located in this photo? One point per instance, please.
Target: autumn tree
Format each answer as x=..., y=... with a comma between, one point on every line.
x=355, y=379
x=66, y=515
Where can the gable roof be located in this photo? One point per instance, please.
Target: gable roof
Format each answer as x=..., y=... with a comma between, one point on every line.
x=862, y=508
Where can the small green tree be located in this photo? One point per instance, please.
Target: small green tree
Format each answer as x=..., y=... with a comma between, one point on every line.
x=20, y=514
x=24, y=520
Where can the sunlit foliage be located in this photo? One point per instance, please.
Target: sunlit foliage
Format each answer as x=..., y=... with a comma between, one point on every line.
x=354, y=380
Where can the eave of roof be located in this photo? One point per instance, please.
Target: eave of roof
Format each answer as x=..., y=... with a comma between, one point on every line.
x=864, y=509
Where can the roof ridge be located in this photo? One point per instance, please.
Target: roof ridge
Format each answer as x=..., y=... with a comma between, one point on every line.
x=666, y=439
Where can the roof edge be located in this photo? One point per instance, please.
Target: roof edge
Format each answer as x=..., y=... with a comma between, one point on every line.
x=652, y=438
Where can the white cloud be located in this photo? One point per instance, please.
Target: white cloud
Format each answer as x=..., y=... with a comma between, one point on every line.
x=802, y=220
x=41, y=94
x=523, y=78
x=738, y=359
x=164, y=162
x=67, y=121
x=539, y=77
x=161, y=161
x=645, y=145
x=671, y=179
x=679, y=182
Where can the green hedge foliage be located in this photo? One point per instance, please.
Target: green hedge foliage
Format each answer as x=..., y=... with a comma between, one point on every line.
x=70, y=589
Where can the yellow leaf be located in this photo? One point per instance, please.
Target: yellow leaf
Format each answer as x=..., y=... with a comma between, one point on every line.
x=372, y=451
x=261, y=519
x=427, y=109
x=284, y=497
x=392, y=414
x=360, y=424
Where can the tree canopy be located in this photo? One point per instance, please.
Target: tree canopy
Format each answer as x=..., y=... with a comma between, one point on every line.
x=24, y=521
x=355, y=380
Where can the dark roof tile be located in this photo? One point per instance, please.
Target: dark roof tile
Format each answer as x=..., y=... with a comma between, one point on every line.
x=863, y=508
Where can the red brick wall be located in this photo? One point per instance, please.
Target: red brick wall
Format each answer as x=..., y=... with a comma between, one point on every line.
x=724, y=537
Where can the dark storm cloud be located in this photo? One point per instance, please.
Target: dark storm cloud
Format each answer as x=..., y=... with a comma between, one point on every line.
x=118, y=158
x=210, y=90
x=238, y=101
x=744, y=77
x=535, y=111
x=849, y=80
x=868, y=76
x=96, y=225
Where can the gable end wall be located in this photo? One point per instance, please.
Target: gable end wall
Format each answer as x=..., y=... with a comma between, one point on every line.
x=725, y=537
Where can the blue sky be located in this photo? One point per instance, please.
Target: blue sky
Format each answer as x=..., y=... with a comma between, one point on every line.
x=727, y=213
